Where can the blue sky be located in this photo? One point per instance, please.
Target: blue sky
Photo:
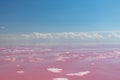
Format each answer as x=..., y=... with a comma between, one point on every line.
x=27, y=16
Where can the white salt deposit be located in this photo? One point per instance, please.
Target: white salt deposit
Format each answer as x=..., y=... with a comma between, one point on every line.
x=19, y=72
x=13, y=59
x=79, y=73
x=55, y=70
x=60, y=79
x=18, y=65
x=61, y=58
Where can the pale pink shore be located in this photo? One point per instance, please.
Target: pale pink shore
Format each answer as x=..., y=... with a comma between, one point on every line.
x=60, y=63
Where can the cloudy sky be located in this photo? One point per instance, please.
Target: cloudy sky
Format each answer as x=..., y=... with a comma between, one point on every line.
x=38, y=21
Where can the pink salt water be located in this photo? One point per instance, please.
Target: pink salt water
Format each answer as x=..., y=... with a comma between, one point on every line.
x=59, y=63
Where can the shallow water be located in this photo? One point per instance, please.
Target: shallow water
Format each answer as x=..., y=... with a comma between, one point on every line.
x=59, y=63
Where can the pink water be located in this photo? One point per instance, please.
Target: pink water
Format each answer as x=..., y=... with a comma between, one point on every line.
x=59, y=63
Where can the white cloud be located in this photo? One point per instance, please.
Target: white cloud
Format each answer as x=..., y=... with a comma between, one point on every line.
x=75, y=35
x=2, y=27
x=81, y=37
